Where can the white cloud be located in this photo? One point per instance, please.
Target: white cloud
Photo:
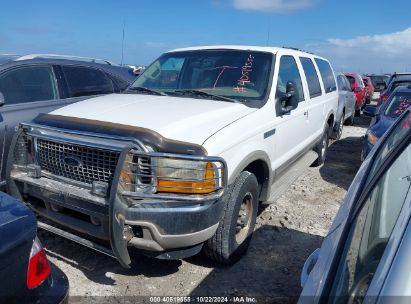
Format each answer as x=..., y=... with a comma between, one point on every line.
x=368, y=54
x=271, y=5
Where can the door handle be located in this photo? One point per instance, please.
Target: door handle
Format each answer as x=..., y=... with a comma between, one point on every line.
x=311, y=261
x=306, y=113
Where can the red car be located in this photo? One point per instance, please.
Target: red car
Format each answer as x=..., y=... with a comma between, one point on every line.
x=358, y=87
x=369, y=88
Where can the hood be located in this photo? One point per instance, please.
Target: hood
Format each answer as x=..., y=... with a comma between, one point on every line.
x=183, y=119
x=382, y=125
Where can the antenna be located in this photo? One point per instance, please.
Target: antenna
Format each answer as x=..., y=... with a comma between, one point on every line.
x=122, y=42
x=268, y=29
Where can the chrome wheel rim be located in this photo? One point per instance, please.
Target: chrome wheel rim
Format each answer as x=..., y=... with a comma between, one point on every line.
x=324, y=145
x=244, y=218
x=340, y=128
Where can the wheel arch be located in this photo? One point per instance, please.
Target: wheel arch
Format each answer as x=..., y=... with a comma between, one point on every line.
x=257, y=163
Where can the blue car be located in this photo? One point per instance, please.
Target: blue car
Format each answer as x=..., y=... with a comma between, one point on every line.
x=26, y=276
x=384, y=117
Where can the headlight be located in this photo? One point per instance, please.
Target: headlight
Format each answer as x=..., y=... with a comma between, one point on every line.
x=185, y=176
x=157, y=173
x=372, y=138
x=23, y=151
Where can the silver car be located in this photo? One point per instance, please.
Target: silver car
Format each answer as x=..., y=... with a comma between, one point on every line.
x=366, y=255
x=346, y=105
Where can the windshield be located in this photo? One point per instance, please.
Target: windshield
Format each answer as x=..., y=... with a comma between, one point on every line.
x=398, y=104
x=236, y=74
x=378, y=80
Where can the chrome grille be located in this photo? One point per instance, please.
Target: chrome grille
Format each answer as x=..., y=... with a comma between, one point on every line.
x=94, y=164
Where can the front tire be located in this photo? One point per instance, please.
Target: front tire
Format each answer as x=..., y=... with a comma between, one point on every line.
x=322, y=147
x=235, y=229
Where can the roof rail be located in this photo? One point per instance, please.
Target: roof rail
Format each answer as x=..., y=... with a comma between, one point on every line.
x=55, y=56
x=296, y=49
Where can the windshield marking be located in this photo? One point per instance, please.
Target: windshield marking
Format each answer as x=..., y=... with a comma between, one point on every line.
x=245, y=75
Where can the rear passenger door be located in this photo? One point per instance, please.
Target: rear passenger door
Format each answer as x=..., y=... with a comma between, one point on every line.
x=28, y=91
x=316, y=100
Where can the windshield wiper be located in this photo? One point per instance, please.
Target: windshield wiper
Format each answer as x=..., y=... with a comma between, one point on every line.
x=205, y=94
x=146, y=90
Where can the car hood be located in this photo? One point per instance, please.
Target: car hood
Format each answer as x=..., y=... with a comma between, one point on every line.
x=382, y=125
x=184, y=119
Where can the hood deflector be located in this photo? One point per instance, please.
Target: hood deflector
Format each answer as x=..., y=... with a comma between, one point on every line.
x=146, y=136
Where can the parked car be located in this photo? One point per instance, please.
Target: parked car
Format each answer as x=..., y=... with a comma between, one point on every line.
x=379, y=82
x=346, y=105
x=34, y=84
x=369, y=89
x=358, y=88
x=399, y=81
x=183, y=158
x=365, y=256
x=25, y=274
x=384, y=117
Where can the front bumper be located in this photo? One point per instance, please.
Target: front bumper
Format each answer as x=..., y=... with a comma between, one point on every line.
x=150, y=225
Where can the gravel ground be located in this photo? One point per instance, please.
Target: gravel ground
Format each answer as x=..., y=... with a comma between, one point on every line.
x=285, y=234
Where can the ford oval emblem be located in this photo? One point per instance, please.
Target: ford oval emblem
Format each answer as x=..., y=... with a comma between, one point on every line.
x=72, y=161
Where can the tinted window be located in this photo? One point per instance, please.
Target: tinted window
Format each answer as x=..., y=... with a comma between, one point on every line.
x=350, y=79
x=326, y=75
x=342, y=83
x=28, y=84
x=289, y=72
x=312, y=78
x=371, y=231
x=84, y=81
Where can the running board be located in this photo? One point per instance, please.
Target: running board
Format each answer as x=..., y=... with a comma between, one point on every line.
x=281, y=185
x=77, y=239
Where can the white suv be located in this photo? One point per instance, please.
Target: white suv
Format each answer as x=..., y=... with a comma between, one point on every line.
x=181, y=160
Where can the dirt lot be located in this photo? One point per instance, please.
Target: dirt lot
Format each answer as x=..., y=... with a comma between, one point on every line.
x=286, y=233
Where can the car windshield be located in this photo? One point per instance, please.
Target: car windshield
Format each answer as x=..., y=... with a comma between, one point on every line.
x=397, y=84
x=378, y=80
x=236, y=74
x=398, y=104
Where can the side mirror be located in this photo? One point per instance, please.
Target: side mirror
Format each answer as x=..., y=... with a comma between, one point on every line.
x=289, y=100
x=370, y=111
x=2, y=100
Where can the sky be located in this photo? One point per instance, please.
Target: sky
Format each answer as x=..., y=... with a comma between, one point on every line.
x=363, y=36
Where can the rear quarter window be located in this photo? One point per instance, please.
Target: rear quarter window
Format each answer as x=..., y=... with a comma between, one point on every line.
x=310, y=72
x=327, y=75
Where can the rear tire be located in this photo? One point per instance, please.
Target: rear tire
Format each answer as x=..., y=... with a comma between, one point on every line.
x=350, y=121
x=322, y=147
x=236, y=227
x=340, y=128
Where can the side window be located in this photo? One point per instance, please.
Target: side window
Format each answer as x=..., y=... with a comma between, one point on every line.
x=371, y=230
x=341, y=83
x=288, y=71
x=326, y=75
x=312, y=78
x=347, y=84
x=85, y=81
x=27, y=84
